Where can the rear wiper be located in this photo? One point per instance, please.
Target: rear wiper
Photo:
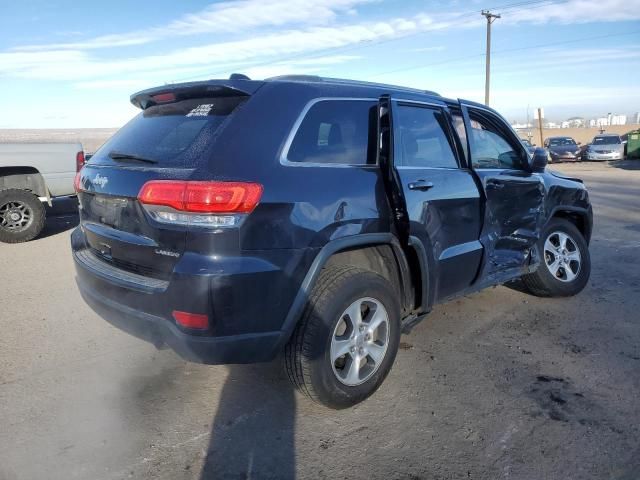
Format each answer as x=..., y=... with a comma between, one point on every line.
x=127, y=156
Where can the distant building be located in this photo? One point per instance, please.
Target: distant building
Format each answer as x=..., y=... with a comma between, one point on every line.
x=637, y=117
x=610, y=119
x=618, y=120
x=520, y=126
x=599, y=122
x=574, y=122
x=551, y=125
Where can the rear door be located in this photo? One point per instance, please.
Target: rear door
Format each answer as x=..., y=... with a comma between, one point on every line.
x=440, y=197
x=514, y=196
x=171, y=140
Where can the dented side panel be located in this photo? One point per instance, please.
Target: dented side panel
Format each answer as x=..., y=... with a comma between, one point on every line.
x=513, y=219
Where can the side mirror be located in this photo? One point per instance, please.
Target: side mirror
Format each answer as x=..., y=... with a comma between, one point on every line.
x=539, y=160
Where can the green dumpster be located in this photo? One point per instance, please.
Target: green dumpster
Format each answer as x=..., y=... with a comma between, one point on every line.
x=633, y=144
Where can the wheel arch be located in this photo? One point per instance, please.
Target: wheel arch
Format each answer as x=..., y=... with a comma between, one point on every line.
x=381, y=253
x=580, y=217
x=23, y=178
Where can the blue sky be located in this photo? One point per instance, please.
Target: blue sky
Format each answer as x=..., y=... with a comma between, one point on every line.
x=66, y=64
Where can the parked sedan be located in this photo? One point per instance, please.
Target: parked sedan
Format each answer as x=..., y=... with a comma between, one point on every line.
x=605, y=147
x=562, y=149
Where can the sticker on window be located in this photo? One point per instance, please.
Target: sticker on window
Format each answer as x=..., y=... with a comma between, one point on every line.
x=201, y=110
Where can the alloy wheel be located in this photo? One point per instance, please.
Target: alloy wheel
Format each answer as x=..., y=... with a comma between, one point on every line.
x=15, y=216
x=359, y=341
x=562, y=256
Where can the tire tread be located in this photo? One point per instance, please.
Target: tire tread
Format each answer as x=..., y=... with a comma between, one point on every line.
x=297, y=351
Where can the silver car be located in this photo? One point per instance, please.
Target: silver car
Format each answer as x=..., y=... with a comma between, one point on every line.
x=605, y=147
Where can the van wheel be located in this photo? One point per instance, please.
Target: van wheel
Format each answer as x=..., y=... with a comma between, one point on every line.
x=22, y=216
x=565, y=265
x=347, y=340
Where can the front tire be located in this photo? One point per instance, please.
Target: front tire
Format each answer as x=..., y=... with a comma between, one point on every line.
x=565, y=264
x=347, y=340
x=22, y=216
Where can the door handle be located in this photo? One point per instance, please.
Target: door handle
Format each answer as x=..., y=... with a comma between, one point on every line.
x=420, y=185
x=495, y=185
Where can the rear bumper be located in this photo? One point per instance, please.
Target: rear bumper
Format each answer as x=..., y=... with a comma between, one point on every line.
x=247, y=348
x=246, y=299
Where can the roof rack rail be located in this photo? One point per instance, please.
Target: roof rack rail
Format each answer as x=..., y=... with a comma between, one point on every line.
x=296, y=78
x=342, y=81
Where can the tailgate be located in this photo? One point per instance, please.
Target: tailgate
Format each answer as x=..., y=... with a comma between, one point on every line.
x=116, y=227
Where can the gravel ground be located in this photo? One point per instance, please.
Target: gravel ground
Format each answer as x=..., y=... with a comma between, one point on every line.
x=497, y=384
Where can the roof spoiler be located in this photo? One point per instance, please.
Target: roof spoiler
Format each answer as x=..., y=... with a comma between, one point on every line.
x=233, y=87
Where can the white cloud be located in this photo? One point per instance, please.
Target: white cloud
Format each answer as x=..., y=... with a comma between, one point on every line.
x=72, y=64
x=129, y=84
x=437, y=48
x=221, y=18
x=318, y=32
x=303, y=66
x=576, y=11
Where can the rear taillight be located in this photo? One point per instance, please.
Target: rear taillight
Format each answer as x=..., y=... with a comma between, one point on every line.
x=199, y=203
x=76, y=182
x=79, y=160
x=191, y=320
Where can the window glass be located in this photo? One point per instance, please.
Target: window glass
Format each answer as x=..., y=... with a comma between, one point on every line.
x=420, y=139
x=490, y=147
x=606, y=140
x=336, y=131
x=173, y=134
x=561, y=142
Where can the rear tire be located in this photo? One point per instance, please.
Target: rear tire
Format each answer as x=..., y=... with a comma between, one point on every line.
x=22, y=216
x=320, y=357
x=565, y=264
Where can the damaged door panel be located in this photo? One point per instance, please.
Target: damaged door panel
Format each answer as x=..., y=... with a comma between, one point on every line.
x=513, y=197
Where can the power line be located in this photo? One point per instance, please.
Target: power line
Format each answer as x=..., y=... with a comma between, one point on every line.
x=528, y=47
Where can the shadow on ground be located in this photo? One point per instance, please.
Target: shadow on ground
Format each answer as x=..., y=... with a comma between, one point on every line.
x=252, y=435
x=628, y=164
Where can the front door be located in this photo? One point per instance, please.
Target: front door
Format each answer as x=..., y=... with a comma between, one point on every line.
x=514, y=196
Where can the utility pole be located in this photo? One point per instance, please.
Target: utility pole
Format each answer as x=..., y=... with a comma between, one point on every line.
x=490, y=19
x=540, y=126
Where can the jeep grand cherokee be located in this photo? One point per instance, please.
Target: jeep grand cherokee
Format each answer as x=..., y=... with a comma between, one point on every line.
x=235, y=219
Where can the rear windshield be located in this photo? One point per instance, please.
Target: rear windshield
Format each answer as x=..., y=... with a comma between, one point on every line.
x=606, y=140
x=171, y=135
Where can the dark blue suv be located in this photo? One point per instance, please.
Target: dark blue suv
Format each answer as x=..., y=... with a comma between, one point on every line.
x=235, y=219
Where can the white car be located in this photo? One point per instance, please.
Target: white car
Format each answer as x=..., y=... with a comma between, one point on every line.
x=605, y=147
x=32, y=174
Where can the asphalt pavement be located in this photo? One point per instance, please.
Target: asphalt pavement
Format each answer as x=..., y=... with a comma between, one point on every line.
x=497, y=384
